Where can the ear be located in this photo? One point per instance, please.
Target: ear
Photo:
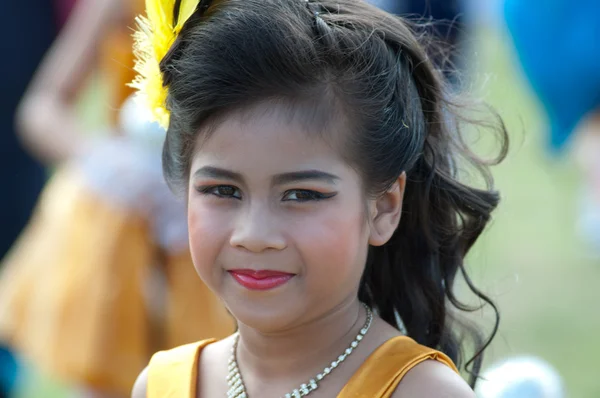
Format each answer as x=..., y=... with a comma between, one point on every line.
x=386, y=212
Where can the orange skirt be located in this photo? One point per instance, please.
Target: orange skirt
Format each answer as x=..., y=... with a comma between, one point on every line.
x=79, y=295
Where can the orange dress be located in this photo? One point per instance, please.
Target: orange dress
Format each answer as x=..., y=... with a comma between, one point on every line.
x=102, y=276
x=173, y=374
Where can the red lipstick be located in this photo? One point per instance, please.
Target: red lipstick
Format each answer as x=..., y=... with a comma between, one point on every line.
x=260, y=280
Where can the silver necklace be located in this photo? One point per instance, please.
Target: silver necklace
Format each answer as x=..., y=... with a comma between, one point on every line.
x=237, y=389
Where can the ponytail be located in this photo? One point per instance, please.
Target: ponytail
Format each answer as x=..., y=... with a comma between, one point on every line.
x=412, y=275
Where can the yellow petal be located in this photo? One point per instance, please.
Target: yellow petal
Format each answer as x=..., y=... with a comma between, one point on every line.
x=186, y=10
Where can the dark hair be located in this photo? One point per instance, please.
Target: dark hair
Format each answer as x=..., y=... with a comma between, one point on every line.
x=350, y=57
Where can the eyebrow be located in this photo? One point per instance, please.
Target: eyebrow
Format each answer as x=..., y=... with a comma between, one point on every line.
x=305, y=175
x=279, y=179
x=218, y=173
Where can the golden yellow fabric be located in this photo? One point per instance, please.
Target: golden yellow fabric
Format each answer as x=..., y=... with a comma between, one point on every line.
x=72, y=291
x=381, y=373
x=174, y=373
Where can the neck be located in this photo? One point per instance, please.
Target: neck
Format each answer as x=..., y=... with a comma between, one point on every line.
x=304, y=349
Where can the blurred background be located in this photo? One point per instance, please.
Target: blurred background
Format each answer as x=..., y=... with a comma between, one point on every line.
x=540, y=257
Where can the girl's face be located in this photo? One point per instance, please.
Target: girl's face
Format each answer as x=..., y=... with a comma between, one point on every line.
x=277, y=221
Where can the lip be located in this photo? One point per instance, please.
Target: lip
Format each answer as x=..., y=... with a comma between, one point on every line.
x=260, y=279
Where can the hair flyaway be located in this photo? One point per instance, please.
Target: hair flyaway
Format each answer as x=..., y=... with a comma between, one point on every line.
x=200, y=60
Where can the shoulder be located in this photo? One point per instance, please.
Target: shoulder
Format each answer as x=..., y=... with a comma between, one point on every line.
x=432, y=379
x=176, y=366
x=140, y=386
x=214, y=356
x=218, y=348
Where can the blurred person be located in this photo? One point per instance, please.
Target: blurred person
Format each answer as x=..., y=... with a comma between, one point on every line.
x=22, y=176
x=558, y=45
x=102, y=276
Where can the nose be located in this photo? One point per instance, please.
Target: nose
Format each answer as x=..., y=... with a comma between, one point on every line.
x=257, y=230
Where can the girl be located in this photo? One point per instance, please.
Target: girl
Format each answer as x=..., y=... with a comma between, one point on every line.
x=74, y=291
x=312, y=142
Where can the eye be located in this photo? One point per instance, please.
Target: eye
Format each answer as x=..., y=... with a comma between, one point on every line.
x=304, y=195
x=221, y=191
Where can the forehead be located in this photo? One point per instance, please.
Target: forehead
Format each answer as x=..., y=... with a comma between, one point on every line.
x=273, y=134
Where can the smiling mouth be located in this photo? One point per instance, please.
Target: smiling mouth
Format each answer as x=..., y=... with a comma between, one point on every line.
x=261, y=279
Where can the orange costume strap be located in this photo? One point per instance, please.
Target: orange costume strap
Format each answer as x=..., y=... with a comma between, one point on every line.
x=174, y=373
x=383, y=370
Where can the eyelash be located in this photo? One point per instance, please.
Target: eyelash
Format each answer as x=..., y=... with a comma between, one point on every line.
x=314, y=196
x=213, y=190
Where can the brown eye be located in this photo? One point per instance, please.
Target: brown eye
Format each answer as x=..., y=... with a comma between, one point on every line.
x=221, y=191
x=225, y=190
x=303, y=195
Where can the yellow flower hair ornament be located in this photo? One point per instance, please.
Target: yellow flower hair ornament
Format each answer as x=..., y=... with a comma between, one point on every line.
x=155, y=35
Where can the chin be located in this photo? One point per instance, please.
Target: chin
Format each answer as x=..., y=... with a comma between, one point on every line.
x=267, y=313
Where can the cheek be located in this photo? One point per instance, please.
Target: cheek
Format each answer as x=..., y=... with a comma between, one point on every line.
x=207, y=233
x=334, y=245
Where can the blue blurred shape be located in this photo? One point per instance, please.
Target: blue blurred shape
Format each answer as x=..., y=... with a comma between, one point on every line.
x=558, y=45
x=8, y=372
